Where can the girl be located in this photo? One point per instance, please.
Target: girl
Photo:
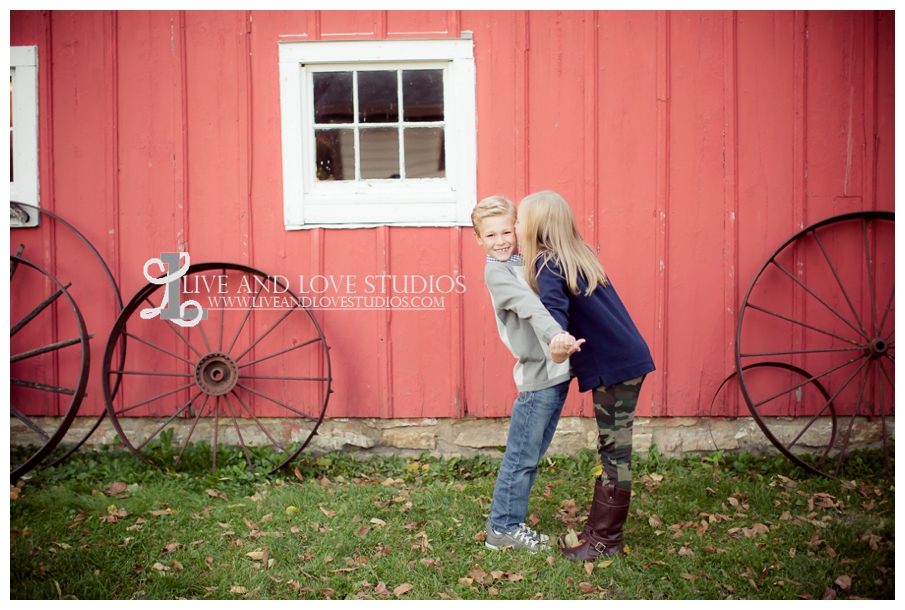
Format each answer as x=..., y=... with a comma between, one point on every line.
x=572, y=285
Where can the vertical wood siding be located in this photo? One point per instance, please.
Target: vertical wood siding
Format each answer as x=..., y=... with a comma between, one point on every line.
x=690, y=145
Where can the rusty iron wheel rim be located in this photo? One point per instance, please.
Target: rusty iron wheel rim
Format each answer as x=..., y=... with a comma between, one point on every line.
x=865, y=343
x=30, y=209
x=215, y=376
x=77, y=393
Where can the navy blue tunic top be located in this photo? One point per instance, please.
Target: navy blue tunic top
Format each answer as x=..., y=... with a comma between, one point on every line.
x=614, y=350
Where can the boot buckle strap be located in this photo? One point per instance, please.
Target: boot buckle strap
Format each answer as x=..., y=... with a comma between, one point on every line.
x=599, y=547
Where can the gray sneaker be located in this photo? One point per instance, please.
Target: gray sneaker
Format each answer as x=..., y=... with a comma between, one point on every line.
x=518, y=539
x=534, y=533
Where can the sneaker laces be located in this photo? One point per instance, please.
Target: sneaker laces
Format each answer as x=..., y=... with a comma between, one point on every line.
x=530, y=532
x=523, y=536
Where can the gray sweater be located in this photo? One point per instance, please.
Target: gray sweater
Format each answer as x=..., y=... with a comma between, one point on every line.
x=525, y=326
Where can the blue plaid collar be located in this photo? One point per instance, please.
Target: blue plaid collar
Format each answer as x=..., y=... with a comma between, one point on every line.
x=515, y=258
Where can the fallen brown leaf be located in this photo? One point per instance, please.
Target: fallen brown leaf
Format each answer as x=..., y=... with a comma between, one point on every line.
x=844, y=582
x=216, y=494
x=403, y=588
x=117, y=490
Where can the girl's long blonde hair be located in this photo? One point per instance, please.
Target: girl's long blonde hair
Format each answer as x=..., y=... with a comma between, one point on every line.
x=548, y=231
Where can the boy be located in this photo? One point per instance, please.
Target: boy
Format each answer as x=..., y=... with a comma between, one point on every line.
x=542, y=374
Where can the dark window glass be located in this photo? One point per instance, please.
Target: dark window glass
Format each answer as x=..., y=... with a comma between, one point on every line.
x=333, y=97
x=335, y=154
x=378, y=99
x=379, y=153
x=422, y=95
x=424, y=153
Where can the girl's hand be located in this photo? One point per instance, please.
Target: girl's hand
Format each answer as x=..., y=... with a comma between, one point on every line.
x=564, y=345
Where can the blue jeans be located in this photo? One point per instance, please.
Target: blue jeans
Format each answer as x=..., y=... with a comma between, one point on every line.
x=533, y=422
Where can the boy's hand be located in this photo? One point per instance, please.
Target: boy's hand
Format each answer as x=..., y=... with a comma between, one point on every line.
x=564, y=345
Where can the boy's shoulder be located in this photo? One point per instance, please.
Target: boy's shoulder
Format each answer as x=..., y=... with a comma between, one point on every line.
x=508, y=274
x=503, y=269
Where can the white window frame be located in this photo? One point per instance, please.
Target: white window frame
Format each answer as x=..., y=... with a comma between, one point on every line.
x=24, y=188
x=309, y=203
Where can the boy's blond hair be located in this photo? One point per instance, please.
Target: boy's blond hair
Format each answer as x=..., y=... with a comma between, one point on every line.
x=495, y=205
x=551, y=233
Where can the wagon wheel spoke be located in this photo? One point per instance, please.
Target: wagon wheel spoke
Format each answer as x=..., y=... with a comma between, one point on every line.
x=47, y=348
x=892, y=295
x=870, y=277
x=807, y=381
x=273, y=400
x=252, y=415
x=820, y=300
x=150, y=400
x=828, y=403
x=244, y=319
x=158, y=348
x=280, y=353
x=28, y=422
x=207, y=344
x=848, y=299
x=167, y=422
x=41, y=307
x=232, y=416
x=152, y=373
x=176, y=330
x=803, y=351
x=216, y=430
x=42, y=386
x=267, y=332
x=284, y=378
x=887, y=375
x=851, y=423
x=800, y=323
x=185, y=441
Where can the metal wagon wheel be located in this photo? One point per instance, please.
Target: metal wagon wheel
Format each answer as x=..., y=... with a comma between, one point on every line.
x=23, y=211
x=36, y=382
x=259, y=361
x=824, y=302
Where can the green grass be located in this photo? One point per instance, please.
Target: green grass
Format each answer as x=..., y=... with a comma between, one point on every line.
x=724, y=526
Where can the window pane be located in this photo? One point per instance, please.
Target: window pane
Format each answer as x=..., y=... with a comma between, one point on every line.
x=422, y=95
x=377, y=97
x=333, y=97
x=335, y=154
x=379, y=153
x=424, y=153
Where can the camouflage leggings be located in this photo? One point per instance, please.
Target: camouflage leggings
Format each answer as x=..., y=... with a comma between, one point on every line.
x=614, y=408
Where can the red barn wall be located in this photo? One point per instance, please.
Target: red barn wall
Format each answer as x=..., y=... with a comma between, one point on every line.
x=690, y=145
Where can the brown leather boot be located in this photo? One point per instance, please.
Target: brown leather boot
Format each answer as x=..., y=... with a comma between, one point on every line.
x=602, y=536
x=598, y=493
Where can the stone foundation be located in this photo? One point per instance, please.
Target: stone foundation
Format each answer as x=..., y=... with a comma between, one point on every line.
x=673, y=436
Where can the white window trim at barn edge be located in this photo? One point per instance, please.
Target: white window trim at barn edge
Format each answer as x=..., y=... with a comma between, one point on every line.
x=354, y=201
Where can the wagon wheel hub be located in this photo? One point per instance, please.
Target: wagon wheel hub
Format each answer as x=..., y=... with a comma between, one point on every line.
x=877, y=347
x=216, y=374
